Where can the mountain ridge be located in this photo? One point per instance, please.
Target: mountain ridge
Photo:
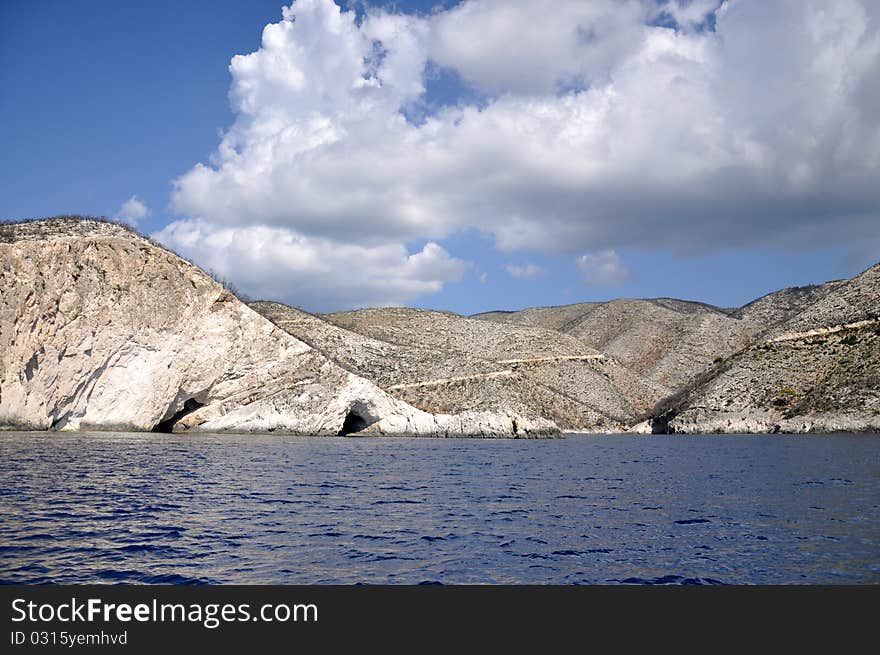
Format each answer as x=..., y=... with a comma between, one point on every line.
x=101, y=327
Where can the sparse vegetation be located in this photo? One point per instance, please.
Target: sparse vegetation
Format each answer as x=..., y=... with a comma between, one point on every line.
x=13, y=230
x=651, y=347
x=226, y=284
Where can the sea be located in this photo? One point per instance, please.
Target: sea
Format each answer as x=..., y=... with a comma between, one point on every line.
x=116, y=507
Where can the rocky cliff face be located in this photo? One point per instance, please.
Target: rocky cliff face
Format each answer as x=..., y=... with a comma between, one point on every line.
x=101, y=328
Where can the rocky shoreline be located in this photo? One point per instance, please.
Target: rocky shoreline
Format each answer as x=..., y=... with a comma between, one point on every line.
x=104, y=329
x=101, y=329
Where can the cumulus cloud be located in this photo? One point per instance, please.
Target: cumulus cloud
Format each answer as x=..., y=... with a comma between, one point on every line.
x=534, y=47
x=524, y=271
x=608, y=125
x=131, y=211
x=312, y=272
x=603, y=269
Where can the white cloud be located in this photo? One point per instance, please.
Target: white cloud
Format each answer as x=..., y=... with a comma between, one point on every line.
x=598, y=131
x=688, y=14
x=131, y=211
x=524, y=271
x=318, y=274
x=536, y=46
x=603, y=269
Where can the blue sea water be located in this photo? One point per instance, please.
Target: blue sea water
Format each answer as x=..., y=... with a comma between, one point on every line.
x=150, y=508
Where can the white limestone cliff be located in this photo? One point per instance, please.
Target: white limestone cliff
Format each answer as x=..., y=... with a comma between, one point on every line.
x=101, y=328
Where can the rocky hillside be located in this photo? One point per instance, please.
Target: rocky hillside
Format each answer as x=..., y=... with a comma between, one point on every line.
x=796, y=360
x=385, y=363
x=817, y=371
x=100, y=328
x=845, y=301
x=445, y=363
x=777, y=308
x=667, y=341
x=803, y=382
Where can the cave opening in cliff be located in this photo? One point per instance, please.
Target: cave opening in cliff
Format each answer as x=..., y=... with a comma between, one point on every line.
x=660, y=423
x=189, y=407
x=353, y=423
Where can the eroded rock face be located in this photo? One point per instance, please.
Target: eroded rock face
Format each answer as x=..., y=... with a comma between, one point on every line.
x=472, y=424
x=101, y=328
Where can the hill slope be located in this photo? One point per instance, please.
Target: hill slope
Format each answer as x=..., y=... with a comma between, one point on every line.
x=667, y=341
x=101, y=328
x=799, y=359
x=819, y=370
x=442, y=362
x=801, y=383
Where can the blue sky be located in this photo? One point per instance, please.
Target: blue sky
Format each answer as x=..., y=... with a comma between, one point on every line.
x=105, y=99
x=637, y=155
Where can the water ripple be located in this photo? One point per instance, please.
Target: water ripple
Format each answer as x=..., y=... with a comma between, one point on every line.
x=169, y=509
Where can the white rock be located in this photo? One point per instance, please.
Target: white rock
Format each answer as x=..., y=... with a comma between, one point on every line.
x=640, y=428
x=103, y=329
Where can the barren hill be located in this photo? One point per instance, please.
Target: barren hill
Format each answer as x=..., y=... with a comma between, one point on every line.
x=451, y=332
x=799, y=359
x=443, y=362
x=667, y=341
x=774, y=309
x=386, y=363
x=802, y=383
x=844, y=301
x=819, y=370
x=100, y=328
